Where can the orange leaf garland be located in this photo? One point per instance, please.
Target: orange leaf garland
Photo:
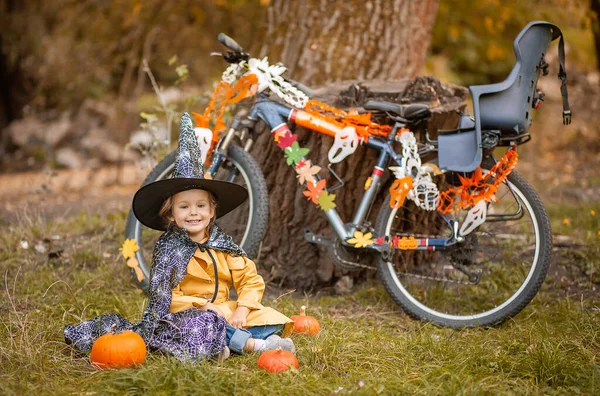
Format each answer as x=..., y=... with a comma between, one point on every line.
x=477, y=187
x=223, y=96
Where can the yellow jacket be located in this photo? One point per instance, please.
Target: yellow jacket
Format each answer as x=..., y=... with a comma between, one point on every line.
x=198, y=286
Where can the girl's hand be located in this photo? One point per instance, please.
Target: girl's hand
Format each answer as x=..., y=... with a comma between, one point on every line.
x=238, y=320
x=212, y=307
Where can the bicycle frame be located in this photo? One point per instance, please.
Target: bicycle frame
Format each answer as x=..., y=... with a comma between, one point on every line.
x=276, y=116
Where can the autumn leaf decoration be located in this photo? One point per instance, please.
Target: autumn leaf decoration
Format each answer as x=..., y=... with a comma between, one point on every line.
x=314, y=190
x=287, y=140
x=128, y=251
x=361, y=240
x=294, y=153
x=306, y=171
x=129, y=248
x=326, y=201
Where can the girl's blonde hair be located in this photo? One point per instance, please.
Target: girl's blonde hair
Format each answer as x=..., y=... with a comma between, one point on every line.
x=166, y=210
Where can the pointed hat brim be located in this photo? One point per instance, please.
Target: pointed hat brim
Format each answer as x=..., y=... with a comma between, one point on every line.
x=149, y=199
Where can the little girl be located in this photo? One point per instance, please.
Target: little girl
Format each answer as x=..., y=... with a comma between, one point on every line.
x=189, y=314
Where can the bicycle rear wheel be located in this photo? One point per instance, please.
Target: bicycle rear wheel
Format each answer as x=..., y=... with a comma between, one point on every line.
x=510, y=253
x=247, y=224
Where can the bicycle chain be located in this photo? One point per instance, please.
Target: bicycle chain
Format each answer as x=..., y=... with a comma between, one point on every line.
x=437, y=279
x=349, y=263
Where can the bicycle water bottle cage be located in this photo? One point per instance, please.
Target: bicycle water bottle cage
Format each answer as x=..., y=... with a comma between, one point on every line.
x=506, y=106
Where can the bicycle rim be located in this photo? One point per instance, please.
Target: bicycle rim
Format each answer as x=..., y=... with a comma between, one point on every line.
x=505, y=250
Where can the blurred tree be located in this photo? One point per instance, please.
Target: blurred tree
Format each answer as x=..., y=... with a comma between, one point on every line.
x=475, y=38
x=68, y=50
x=595, y=20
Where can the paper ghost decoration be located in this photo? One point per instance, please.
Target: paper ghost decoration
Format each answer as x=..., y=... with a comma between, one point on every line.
x=345, y=143
x=204, y=137
x=474, y=218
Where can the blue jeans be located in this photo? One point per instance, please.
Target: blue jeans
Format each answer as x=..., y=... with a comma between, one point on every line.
x=236, y=338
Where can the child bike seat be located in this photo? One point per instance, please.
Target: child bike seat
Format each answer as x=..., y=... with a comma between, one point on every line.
x=409, y=112
x=505, y=106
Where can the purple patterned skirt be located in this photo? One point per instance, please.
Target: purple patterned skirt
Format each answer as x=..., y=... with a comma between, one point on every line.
x=190, y=335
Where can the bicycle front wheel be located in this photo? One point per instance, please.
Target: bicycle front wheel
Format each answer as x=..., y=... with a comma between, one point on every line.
x=246, y=225
x=488, y=277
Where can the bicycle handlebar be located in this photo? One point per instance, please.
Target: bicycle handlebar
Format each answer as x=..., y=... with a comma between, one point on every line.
x=229, y=42
x=301, y=87
x=239, y=54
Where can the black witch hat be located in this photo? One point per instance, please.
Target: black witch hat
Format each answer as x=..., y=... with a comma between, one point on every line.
x=187, y=175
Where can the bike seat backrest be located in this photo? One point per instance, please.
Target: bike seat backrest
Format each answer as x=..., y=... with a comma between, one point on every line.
x=409, y=112
x=507, y=106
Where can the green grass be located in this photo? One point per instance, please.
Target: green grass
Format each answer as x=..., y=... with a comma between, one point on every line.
x=367, y=345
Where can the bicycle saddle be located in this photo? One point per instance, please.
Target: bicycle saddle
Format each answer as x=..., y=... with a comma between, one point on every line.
x=410, y=112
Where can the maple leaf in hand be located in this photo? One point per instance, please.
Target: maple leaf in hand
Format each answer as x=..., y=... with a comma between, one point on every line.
x=326, y=201
x=314, y=190
x=307, y=172
x=129, y=248
x=294, y=153
x=361, y=240
x=287, y=140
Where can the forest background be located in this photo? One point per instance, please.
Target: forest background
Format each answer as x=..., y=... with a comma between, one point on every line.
x=72, y=92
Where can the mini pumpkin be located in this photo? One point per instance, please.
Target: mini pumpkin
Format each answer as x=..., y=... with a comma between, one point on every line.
x=305, y=324
x=118, y=349
x=277, y=361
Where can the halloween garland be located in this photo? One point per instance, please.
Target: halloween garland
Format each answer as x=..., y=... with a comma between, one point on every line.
x=413, y=179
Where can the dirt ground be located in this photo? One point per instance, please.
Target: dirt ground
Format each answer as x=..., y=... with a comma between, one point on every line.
x=61, y=193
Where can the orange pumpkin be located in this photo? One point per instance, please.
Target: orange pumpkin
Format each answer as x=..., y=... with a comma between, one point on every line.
x=118, y=349
x=305, y=324
x=276, y=361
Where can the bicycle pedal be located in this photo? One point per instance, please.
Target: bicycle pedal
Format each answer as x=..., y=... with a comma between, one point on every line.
x=311, y=237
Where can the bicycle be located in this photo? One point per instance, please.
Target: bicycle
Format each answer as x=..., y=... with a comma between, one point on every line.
x=464, y=241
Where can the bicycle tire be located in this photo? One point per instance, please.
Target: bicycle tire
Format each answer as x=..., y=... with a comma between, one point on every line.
x=255, y=225
x=420, y=294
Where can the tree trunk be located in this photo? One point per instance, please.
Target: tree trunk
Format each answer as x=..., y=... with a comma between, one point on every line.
x=323, y=41
x=372, y=42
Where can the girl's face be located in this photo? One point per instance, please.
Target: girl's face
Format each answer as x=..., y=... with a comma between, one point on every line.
x=193, y=211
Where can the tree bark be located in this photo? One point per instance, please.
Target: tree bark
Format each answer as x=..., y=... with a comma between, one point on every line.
x=322, y=42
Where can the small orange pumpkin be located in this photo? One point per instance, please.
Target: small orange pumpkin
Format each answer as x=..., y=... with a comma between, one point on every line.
x=276, y=361
x=118, y=349
x=305, y=324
